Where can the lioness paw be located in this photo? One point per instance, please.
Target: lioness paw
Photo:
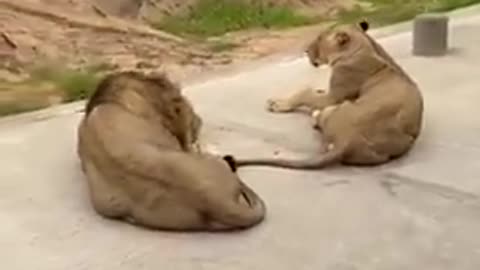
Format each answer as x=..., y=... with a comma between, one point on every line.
x=278, y=105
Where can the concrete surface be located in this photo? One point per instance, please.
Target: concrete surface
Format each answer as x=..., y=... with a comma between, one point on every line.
x=420, y=212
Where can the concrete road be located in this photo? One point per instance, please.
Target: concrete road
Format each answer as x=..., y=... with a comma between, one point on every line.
x=420, y=212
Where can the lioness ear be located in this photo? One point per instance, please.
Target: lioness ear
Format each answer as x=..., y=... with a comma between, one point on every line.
x=231, y=162
x=364, y=25
x=342, y=38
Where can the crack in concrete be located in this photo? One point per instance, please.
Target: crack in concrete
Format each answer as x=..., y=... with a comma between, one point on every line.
x=393, y=180
x=337, y=183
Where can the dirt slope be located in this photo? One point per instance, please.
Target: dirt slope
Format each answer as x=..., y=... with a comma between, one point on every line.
x=78, y=33
x=47, y=33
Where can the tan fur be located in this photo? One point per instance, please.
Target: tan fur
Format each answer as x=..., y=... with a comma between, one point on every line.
x=135, y=146
x=372, y=112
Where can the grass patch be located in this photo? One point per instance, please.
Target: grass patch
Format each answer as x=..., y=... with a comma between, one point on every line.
x=11, y=109
x=77, y=84
x=217, y=17
x=46, y=84
x=222, y=46
x=384, y=12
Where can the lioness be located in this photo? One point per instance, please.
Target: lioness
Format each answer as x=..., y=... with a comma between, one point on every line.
x=373, y=110
x=134, y=143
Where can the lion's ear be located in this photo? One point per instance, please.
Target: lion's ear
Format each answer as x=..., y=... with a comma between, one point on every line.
x=342, y=38
x=364, y=25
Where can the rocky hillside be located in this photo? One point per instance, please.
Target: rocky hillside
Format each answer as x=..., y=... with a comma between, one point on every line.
x=116, y=34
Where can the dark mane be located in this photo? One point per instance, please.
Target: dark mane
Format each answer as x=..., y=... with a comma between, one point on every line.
x=106, y=91
x=99, y=94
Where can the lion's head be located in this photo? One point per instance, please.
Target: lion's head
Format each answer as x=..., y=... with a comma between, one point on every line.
x=335, y=41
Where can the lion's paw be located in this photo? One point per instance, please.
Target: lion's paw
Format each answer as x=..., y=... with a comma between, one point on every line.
x=211, y=149
x=316, y=114
x=278, y=105
x=197, y=147
x=315, y=119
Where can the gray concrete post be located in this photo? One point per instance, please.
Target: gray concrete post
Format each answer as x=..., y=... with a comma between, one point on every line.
x=430, y=35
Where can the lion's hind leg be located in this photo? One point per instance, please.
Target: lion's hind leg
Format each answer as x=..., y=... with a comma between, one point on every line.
x=169, y=214
x=107, y=200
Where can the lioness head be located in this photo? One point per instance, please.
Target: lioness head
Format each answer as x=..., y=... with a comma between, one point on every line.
x=335, y=41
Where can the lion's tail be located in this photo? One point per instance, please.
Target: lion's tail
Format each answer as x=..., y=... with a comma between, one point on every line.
x=331, y=157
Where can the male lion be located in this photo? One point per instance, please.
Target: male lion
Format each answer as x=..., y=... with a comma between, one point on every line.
x=134, y=144
x=372, y=112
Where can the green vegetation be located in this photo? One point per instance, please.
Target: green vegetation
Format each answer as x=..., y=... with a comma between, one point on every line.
x=77, y=84
x=217, y=17
x=11, y=109
x=384, y=12
x=222, y=45
x=47, y=82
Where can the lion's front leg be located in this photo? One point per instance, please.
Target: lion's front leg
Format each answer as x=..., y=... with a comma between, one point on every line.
x=311, y=98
